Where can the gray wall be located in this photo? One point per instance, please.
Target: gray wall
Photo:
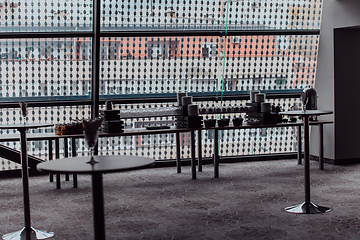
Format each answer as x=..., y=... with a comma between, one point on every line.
x=336, y=14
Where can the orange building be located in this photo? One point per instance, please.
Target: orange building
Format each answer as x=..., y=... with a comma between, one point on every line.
x=177, y=47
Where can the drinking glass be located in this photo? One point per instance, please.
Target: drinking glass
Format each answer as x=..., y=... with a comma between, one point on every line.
x=91, y=136
x=24, y=112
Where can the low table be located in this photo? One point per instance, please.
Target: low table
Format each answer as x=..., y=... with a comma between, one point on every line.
x=297, y=124
x=307, y=206
x=177, y=131
x=106, y=164
x=26, y=232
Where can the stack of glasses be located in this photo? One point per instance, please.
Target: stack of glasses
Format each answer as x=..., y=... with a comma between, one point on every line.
x=111, y=120
x=190, y=117
x=261, y=110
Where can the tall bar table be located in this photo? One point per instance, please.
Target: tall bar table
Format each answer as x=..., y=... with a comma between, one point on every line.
x=26, y=232
x=105, y=164
x=307, y=207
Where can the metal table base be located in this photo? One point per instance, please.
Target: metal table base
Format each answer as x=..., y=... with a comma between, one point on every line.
x=28, y=234
x=307, y=208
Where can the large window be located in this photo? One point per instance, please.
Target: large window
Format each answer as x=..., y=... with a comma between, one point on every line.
x=151, y=47
x=53, y=51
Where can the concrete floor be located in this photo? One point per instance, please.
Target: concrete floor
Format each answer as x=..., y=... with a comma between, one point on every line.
x=246, y=202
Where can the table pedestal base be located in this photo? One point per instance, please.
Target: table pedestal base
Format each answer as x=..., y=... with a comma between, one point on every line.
x=305, y=208
x=28, y=235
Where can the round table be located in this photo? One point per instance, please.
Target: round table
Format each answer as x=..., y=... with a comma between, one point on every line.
x=105, y=164
x=307, y=206
x=27, y=232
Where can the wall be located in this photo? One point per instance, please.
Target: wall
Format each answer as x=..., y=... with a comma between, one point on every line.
x=336, y=14
x=346, y=85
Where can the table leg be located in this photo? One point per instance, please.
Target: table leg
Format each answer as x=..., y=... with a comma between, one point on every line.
x=57, y=156
x=307, y=207
x=199, y=151
x=193, y=159
x=98, y=206
x=216, y=153
x=299, y=145
x=25, y=178
x=178, y=162
x=51, y=176
x=321, y=148
x=73, y=153
x=307, y=163
x=27, y=232
x=66, y=154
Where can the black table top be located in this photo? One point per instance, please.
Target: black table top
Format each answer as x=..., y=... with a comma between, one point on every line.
x=105, y=164
x=143, y=131
x=306, y=112
x=26, y=126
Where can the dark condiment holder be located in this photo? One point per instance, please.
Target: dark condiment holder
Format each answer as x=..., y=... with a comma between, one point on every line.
x=237, y=121
x=223, y=122
x=210, y=122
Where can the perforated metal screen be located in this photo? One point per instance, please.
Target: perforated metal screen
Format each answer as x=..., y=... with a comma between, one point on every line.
x=150, y=48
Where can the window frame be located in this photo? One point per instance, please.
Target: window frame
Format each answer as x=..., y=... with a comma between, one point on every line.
x=96, y=34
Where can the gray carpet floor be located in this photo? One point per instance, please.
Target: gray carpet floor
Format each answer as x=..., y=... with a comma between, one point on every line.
x=247, y=201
